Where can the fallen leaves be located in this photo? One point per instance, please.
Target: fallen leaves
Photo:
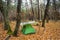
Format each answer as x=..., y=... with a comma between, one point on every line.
x=50, y=32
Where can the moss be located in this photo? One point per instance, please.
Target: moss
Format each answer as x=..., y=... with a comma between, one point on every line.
x=9, y=31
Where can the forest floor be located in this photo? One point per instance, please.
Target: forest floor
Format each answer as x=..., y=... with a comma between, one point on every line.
x=50, y=32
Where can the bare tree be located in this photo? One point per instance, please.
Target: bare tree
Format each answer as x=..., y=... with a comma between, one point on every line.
x=26, y=5
x=54, y=3
x=38, y=10
x=7, y=18
x=18, y=18
x=4, y=12
x=55, y=10
x=32, y=8
x=45, y=15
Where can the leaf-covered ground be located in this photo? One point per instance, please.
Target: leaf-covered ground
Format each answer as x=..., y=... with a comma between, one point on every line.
x=50, y=32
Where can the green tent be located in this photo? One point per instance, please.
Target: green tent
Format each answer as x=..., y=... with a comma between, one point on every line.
x=28, y=29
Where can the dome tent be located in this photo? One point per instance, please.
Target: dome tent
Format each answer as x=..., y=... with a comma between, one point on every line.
x=28, y=29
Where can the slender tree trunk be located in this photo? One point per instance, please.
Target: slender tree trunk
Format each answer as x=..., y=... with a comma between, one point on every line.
x=18, y=18
x=4, y=11
x=8, y=7
x=38, y=10
x=26, y=4
x=32, y=8
x=54, y=5
x=46, y=10
x=5, y=15
x=36, y=14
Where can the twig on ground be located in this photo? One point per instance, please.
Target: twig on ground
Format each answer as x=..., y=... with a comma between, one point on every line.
x=7, y=38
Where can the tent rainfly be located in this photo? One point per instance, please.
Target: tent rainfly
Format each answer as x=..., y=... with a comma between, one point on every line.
x=28, y=29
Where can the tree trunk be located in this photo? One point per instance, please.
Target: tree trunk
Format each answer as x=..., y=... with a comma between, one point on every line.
x=26, y=4
x=18, y=18
x=54, y=5
x=38, y=10
x=4, y=12
x=46, y=10
x=32, y=8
